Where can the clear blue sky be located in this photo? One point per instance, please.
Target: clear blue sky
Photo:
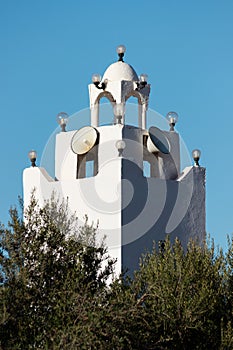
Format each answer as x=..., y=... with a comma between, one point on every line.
x=49, y=50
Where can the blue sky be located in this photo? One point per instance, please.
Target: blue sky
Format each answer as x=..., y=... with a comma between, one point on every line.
x=49, y=50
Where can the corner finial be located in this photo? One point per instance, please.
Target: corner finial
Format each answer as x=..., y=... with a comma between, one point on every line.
x=32, y=155
x=62, y=119
x=196, y=153
x=172, y=118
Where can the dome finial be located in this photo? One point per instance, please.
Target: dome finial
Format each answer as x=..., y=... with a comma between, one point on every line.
x=121, y=51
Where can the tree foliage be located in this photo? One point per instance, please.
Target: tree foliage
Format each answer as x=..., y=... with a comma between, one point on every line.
x=58, y=290
x=53, y=275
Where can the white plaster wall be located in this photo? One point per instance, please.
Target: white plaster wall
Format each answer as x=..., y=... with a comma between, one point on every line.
x=65, y=159
x=131, y=210
x=174, y=208
x=37, y=179
x=98, y=197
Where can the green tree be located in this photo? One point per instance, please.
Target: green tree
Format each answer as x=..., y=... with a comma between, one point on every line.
x=183, y=295
x=227, y=321
x=54, y=273
x=58, y=290
x=175, y=300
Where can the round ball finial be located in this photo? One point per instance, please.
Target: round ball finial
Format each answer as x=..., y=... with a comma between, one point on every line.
x=119, y=111
x=196, y=153
x=121, y=51
x=143, y=78
x=120, y=145
x=172, y=118
x=32, y=155
x=62, y=119
x=96, y=78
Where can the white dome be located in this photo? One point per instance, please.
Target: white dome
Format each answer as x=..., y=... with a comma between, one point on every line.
x=120, y=71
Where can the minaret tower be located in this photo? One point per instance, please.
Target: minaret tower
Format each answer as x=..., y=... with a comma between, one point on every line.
x=101, y=170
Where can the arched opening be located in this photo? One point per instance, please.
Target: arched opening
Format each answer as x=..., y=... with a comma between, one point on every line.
x=131, y=110
x=141, y=107
x=87, y=164
x=103, y=109
x=150, y=161
x=106, y=115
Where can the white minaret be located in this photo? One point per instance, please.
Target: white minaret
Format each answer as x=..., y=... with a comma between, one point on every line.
x=133, y=209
